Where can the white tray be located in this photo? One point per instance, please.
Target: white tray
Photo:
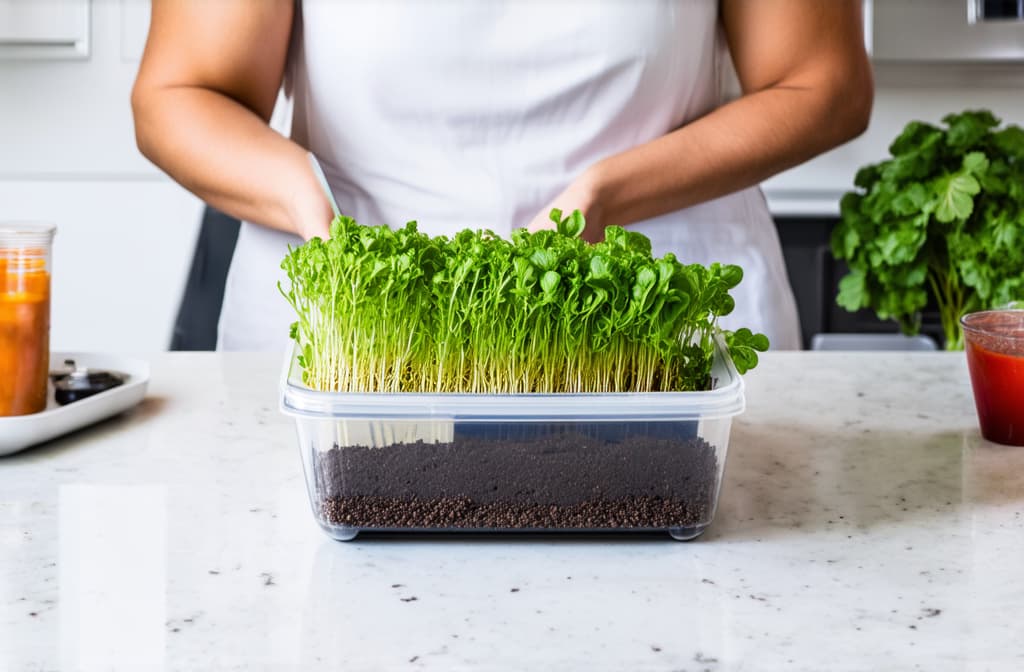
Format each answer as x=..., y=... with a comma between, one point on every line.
x=21, y=431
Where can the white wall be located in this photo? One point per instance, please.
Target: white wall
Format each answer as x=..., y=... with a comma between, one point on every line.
x=68, y=156
x=905, y=92
x=930, y=60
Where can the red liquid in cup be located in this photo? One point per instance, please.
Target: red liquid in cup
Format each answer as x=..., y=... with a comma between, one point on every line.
x=995, y=358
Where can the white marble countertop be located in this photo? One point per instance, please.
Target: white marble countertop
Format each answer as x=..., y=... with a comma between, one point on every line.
x=863, y=525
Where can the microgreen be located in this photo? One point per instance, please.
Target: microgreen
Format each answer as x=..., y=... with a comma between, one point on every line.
x=942, y=219
x=398, y=311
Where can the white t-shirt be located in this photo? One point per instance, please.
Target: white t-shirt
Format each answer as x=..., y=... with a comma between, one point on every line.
x=469, y=114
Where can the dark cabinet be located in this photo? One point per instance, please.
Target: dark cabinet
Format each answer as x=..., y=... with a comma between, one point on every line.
x=814, y=274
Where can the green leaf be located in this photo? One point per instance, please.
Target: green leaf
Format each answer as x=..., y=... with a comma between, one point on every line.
x=878, y=204
x=1010, y=141
x=744, y=346
x=743, y=359
x=638, y=243
x=968, y=128
x=848, y=243
x=646, y=279
x=853, y=294
x=600, y=267
x=544, y=259
x=723, y=305
x=955, y=197
x=732, y=275
x=571, y=226
x=915, y=134
x=615, y=237
x=549, y=282
x=850, y=203
x=911, y=200
x=977, y=276
x=911, y=166
x=575, y=225
x=867, y=176
x=975, y=163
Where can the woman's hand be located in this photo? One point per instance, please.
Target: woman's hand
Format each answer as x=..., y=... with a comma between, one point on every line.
x=311, y=216
x=309, y=212
x=583, y=195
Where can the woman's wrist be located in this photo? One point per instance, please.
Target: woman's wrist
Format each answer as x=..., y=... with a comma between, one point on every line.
x=308, y=210
x=583, y=194
x=591, y=190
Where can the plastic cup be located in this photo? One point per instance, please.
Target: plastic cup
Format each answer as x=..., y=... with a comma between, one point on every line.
x=24, y=316
x=994, y=341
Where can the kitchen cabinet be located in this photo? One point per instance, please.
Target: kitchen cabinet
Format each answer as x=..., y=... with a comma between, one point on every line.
x=814, y=275
x=44, y=29
x=946, y=31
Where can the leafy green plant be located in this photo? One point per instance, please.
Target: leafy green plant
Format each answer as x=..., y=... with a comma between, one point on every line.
x=942, y=218
x=387, y=310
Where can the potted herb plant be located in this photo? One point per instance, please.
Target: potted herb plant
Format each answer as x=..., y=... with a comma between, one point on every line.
x=941, y=220
x=536, y=383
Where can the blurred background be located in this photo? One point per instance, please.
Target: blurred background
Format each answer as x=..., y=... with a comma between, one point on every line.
x=127, y=234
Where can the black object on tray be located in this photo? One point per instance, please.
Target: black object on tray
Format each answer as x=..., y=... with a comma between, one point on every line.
x=74, y=383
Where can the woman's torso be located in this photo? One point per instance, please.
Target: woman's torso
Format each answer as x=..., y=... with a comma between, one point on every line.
x=460, y=113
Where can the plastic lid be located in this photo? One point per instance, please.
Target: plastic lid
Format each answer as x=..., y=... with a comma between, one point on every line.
x=725, y=400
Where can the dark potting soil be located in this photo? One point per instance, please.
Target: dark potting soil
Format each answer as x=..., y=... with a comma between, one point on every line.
x=566, y=480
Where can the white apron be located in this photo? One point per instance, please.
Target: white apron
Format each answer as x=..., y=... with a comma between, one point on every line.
x=470, y=113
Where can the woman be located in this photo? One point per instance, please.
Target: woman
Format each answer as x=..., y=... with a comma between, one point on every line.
x=486, y=114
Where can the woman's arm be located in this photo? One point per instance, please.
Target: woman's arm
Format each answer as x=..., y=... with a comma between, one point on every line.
x=807, y=88
x=202, y=101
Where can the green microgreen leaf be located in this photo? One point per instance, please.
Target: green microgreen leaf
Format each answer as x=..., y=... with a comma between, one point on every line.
x=396, y=310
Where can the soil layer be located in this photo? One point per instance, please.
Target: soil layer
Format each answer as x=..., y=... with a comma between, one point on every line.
x=562, y=480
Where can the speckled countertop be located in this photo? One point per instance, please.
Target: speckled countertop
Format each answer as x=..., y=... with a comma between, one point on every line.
x=863, y=525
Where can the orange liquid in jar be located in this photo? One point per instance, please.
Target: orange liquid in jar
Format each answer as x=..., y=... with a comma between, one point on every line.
x=24, y=331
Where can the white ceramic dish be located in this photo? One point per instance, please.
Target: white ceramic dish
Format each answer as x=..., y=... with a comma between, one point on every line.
x=21, y=431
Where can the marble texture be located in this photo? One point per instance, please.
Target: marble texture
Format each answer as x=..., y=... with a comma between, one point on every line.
x=863, y=525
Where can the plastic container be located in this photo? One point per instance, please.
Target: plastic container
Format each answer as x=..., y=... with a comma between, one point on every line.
x=524, y=463
x=24, y=316
x=994, y=341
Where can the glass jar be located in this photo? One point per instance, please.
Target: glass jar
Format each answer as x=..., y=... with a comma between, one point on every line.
x=994, y=341
x=24, y=316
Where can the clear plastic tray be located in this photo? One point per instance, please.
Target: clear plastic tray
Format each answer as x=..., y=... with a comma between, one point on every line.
x=617, y=462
